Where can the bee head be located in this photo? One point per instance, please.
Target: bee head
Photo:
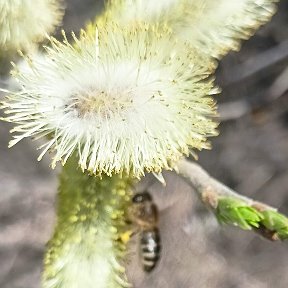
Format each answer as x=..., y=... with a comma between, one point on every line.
x=142, y=197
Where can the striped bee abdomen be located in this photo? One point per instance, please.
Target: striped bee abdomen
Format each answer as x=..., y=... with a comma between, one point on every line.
x=144, y=214
x=150, y=248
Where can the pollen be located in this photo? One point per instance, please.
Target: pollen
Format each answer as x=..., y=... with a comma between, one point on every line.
x=126, y=236
x=92, y=103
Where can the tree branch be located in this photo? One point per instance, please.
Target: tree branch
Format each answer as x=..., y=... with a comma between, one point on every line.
x=232, y=208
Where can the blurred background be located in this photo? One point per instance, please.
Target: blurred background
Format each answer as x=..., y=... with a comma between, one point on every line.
x=250, y=156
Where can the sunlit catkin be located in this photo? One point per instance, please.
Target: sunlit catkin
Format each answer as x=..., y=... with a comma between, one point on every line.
x=213, y=27
x=119, y=98
x=86, y=249
x=25, y=22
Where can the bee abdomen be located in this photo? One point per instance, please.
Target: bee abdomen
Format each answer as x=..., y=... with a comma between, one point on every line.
x=150, y=249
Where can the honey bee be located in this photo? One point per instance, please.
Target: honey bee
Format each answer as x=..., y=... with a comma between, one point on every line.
x=144, y=214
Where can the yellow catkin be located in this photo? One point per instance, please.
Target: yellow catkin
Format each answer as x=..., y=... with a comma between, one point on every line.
x=26, y=22
x=213, y=27
x=86, y=249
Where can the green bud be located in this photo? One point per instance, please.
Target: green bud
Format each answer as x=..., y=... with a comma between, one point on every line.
x=275, y=221
x=236, y=212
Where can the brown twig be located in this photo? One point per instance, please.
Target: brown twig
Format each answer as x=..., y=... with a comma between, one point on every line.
x=211, y=190
x=203, y=183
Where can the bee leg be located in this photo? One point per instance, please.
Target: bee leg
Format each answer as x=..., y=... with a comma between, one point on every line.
x=128, y=234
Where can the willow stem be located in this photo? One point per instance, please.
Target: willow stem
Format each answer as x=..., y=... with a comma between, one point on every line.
x=205, y=185
x=233, y=208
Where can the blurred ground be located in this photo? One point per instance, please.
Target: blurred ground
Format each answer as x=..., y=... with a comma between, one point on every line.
x=251, y=156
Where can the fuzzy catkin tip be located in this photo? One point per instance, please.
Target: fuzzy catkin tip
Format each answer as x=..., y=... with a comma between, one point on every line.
x=118, y=97
x=26, y=22
x=214, y=27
